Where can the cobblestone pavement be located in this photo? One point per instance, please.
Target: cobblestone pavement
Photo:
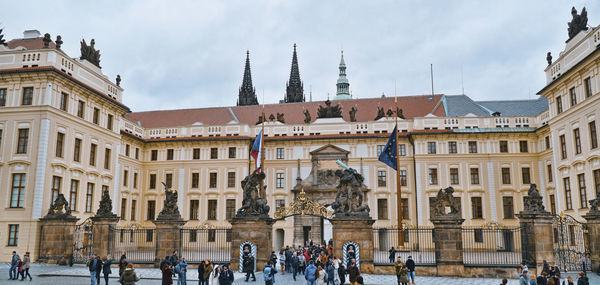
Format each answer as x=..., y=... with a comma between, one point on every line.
x=62, y=275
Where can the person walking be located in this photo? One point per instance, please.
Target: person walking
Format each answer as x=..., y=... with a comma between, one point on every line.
x=310, y=273
x=282, y=262
x=129, y=277
x=182, y=274
x=392, y=254
x=20, y=269
x=106, y=268
x=321, y=276
x=201, y=280
x=524, y=279
x=226, y=276
x=582, y=279
x=342, y=273
x=570, y=280
x=167, y=273
x=249, y=267
x=122, y=263
x=214, y=276
x=410, y=265
x=94, y=264
x=353, y=273
x=174, y=259
x=26, y=263
x=14, y=262
x=208, y=269
x=268, y=274
x=401, y=272
x=165, y=263
x=330, y=274
x=542, y=278
x=295, y=264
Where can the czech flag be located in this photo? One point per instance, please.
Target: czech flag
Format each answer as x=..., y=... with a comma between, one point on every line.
x=256, y=149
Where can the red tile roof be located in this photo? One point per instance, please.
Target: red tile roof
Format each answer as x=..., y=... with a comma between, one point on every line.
x=34, y=43
x=412, y=106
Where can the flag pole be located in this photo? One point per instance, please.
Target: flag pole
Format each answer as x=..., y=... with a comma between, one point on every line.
x=400, y=209
x=262, y=149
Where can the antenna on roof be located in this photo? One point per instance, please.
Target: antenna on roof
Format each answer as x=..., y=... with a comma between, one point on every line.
x=431, y=69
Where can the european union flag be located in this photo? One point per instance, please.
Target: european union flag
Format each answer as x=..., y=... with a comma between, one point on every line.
x=389, y=153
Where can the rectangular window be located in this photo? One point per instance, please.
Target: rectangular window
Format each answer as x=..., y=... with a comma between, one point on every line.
x=280, y=153
x=552, y=205
x=454, y=176
x=212, y=209
x=474, y=176
x=212, y=235
x=214, y=153
x=18, y=190
x=107, y=158
x=96, y=116
x=194, y=207
x=63, y=101
x=573, y=96
x=402, y=177
x=150, y=211
x=137, y=153
x=13, y=235
x=135, y=176
x=568, y=200
x=588, y=87
x=431, y=148
x=381, y=178
x=80, y=109
x=402, y=149
x=577, y=140
x=525, y=175
x=170, y=153
x=193, y=235
x=195, y=179
x=133, y=209
x=149, y=235
x=124, y=208
x=152, y=181
x=597, y=182
x=279, y=203
x=196, y=153
x=154, y=155
x=2, y=97
x=549, y=170
x=89, y=197
x=382, y=209
x=476, y=207
x=405, y=213
x=433, y=176
x=593, y=135
x=77, y=150
x=109, y=121
x=212, y=182
x=125, y=177
x=60, y=138
x=127, y=150
x=507, y=204
x=229, y=209
x=56, y=182
x=93, y=154
x=27, y=96
x=563, y=147
x=232, y=152
x=280, y=180
x=559, y=107
x=169, y=180
x=472, y=147
x=505, y=175
x=547, y=140
x=582, y=193
x=73, y=194
x=503, y=146
x=23, y=141
x=452, y=147
x=380, y=148
x=231, y=179
x=523, y=146
x=478, y=235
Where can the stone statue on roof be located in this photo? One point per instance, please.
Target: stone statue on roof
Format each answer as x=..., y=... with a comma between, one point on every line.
x=353, y=114
x=380, y=113
x=46, y=40
x=280, y=118
x=90, y=53
x=549, y=58
x=578, y=23
x=329, y=111
x=307, y=117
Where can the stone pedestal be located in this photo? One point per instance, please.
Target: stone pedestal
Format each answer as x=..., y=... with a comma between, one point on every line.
x=256, y=230
x=168, y=238
x=447, y=237
x=57, y=239
x=101, y=231
x=593, y=226
x=358, y=231
x=536, y=239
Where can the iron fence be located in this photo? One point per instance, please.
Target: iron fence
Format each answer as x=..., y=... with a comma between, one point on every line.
x=200, y=244
x=139, y=244
x=492, y=246
x=418, y=243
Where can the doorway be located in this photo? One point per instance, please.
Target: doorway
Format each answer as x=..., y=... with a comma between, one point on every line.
x=306, y=235
x=279, y=239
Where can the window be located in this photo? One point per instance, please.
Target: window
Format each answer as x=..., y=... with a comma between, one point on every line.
x=453, y=176
x=549, y=170
x=23, y=140
x=93, y=154
x=402, y=149
x=507, y=204
x=472, y=147
x=80, y=109
x=280, y=180
x=280, y=153
x=402, y=177
x=0, y=137
x=56, y=182
x=381, y=178
x=568, y=200
x=593, y=135
x=212, y=183
x=194, y=207
x=478, y=235
x=109, y=121
x=597, y=182
x=13, y=235
x=476, y=207
x=77, y=150
x=214, y=153
x=169, y=180
x=431, y=148
x=552, y=205
x=231, y=179
x=193, y=235
x=152, y=181
x=503, y=146
x=380, y=149
x=279, y=203
x=137, y=153
x=107, y=158
x=212, y=209
x=124, y=208
x=525, y=175
x=229, y=209
x=547, y=140
x=573, y=96
x=559, y=107
x=63, y=101
x=523, y=146
x=382, y=209
x=89, y=197
x=505, y=175
x=135, y=176
x=582, y=194
x=474, y=176
x=433, y=176
x=27, y=96
x=452, y=147
x=196, y=153
x=563, y=147
x=150, y=211
x=73, y=194
x=154, y=155
x=195, y=179
x=95, y=116
x=232, y=152
x=60, y=138
x=588, y=87
x=405, y=214
x=212, y=235
x=127, y=150
x=170, y=154
x=577, y=140
x=149, y=235
x=2, y=97
x=125, y=177
x=18, y=190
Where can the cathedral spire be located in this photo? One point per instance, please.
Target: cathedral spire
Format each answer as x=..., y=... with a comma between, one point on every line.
x=247, y=94
x=294, y=87
x=343, y=86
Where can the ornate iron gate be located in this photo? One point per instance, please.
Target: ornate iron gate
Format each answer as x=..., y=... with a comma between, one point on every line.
x=83, y=240
x=570, y=244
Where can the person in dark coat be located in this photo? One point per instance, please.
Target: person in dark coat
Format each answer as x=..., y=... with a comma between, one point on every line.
x=582, y=279
x=342, y=273
x=410, y=265
x=295, y=263
x=542, y=279
x=167, y=274
x=226, y=276
x=174, y=259
x=106, y=267
x=99, y=269
x=164, y=263
x=122, y=263
x=249, y=267
x=353, y=273
x=392, y=254
x=201, y=280
x=330, y=273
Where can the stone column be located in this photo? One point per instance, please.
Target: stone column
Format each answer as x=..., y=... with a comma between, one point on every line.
x=57, y=239
x=101, y=232
x=537, y=242
x=168, y=238
x=447, y=237
x=257, y=230
x=358, y=230
x=593, y=227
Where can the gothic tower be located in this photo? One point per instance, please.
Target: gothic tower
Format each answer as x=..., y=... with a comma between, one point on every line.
x=343, y=87
x=294, y=87
x=247, y=95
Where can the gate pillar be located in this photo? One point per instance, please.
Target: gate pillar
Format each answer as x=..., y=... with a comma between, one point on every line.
x=358, y=231
x=57, y=233
x=257, y=230
x=101, y=232
x=537, y=243
x=593, y=227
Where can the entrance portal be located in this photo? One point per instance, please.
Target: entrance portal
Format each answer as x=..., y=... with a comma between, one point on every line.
x=279, y=238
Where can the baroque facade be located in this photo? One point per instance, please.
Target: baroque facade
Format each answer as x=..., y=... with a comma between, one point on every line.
x=64, y=129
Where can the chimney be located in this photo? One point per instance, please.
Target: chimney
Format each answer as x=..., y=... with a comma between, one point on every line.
x=31, y=34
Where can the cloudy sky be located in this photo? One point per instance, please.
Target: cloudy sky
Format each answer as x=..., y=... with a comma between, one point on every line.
x=183, y=54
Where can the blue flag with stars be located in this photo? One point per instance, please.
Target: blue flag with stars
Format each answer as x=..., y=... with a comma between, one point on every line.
x=389, y=153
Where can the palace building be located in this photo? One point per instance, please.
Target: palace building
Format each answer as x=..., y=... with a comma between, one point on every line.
x=64, y=129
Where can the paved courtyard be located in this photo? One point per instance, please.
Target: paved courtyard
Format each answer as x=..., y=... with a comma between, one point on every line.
x=59, y=275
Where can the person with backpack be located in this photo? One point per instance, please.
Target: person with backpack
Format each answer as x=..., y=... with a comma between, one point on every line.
x=269, y=273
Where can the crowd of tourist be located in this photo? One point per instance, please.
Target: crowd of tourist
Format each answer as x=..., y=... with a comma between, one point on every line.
x=550, y=275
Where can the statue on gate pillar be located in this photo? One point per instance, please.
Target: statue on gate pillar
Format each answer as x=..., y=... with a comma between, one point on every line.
x=59, y=209
x=443, y=200
x=105, y=209
x=350, y=200
x=170, y=210
x=533, y=201
x=252, y=204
